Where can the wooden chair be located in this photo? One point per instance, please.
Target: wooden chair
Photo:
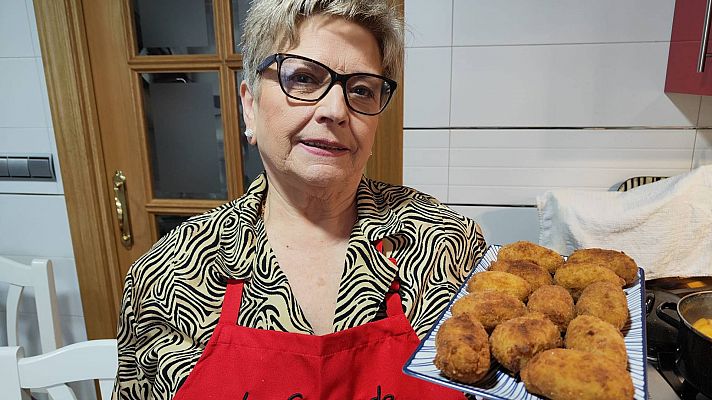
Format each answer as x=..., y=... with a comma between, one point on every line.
x=90, y=360
x=636, y=181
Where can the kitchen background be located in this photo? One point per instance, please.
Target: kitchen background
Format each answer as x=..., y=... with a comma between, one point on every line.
x=503, y=100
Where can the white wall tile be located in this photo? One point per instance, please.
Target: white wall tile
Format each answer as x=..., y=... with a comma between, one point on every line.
x=24, y=140
x=579, y=176
x=496, y=195
x=566, y=85
x=565, y=139
x=3, y=326
x=703, y=148
x=514, y=166
x=34, y=226
x=15, y=31
x=21, y=100
x=57, y=170
x=425, y=176
x=428, y=23
x=418, y=157
x=494, y=22
x=425, y=161
x=427, y=87
x=47, y=115
x=502, y=225
x=73, y=329
x=705, y=120
x=426, y=138
x=29, y=187
x=32, y=23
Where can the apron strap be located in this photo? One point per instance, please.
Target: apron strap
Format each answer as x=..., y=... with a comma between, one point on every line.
x=231, y=302
x=394, y=303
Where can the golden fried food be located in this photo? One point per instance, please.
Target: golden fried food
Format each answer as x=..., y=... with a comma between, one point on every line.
x=498, y=281
x=527, y=270
x=606, y=301
x=594, y=335
x=462, y=350
x=576, y=276
x=617, y=261
x=555, y=303
x=490, y=308
x=528, y=251
x=513, y=343
x=566, y=374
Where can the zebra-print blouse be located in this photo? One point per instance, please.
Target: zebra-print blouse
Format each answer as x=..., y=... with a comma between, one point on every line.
x=173, y=294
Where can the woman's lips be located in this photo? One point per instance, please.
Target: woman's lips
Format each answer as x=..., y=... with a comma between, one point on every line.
x=323, y=148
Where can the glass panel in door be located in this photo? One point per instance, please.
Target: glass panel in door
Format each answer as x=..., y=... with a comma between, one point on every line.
x=166, y=223
x=172, y=27
x=185, y=134
x=239, y=12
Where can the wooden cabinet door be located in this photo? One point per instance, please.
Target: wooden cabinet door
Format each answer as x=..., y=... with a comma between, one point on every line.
x=161, y=91
x=685, y=47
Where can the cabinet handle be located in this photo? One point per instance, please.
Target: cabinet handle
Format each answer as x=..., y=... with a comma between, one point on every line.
x=703, y=42
x=122, y=211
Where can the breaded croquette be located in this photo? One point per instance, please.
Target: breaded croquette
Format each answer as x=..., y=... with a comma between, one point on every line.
x=528, y=251
x=462, y=350
x=606, y=301
x=592, y=334
x=555, y=303
x=566, y=374
x=513, y=343
x=527, y=270
x=617, y=261
x=490, y=308
x=576, y=276
x=499, y=281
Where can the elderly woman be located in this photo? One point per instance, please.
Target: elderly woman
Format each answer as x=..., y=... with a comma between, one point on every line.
x=318, y=282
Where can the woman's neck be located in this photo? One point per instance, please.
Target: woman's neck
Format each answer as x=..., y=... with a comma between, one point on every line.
x=328, y=214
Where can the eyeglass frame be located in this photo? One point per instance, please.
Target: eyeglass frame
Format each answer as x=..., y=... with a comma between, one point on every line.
x=335, y=77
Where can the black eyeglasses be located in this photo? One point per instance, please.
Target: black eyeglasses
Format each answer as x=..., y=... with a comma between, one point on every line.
x=302, y=78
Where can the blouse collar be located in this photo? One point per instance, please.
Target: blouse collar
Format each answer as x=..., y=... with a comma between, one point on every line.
x=376, y=219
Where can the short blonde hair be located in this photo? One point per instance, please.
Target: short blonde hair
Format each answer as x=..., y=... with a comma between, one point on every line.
x=273, y=24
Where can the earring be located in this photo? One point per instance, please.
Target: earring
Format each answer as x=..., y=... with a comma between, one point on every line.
x=249, y=133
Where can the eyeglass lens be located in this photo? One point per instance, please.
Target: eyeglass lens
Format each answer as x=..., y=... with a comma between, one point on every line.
x=306, y=80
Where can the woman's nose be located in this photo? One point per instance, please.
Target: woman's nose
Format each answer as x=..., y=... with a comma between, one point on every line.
x=332, y=108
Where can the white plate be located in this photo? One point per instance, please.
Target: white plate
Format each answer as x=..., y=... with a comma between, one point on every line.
x=499, y=384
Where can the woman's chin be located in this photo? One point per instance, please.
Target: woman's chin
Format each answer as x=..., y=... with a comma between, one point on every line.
x=327, y=176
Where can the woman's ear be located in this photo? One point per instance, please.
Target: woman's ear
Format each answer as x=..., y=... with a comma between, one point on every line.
x=248, y=110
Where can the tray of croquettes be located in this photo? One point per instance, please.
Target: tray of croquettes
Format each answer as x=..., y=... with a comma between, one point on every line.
x=529, y=323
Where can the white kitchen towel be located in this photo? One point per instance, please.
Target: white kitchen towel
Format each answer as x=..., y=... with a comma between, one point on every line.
x=665, y=226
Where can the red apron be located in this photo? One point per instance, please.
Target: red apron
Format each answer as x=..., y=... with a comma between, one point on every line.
x=360, y=363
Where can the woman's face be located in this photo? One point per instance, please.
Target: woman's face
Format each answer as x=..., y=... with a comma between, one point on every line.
x=319, y=144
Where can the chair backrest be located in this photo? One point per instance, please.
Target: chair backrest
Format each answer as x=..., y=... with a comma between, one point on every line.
x=40, y=276
x=636, y=181
x=90, y=360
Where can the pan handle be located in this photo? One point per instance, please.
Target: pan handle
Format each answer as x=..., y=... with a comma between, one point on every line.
x=649, y=302
x=660, y=311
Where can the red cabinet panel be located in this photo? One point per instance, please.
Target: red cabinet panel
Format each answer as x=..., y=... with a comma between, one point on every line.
x=685, y=42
